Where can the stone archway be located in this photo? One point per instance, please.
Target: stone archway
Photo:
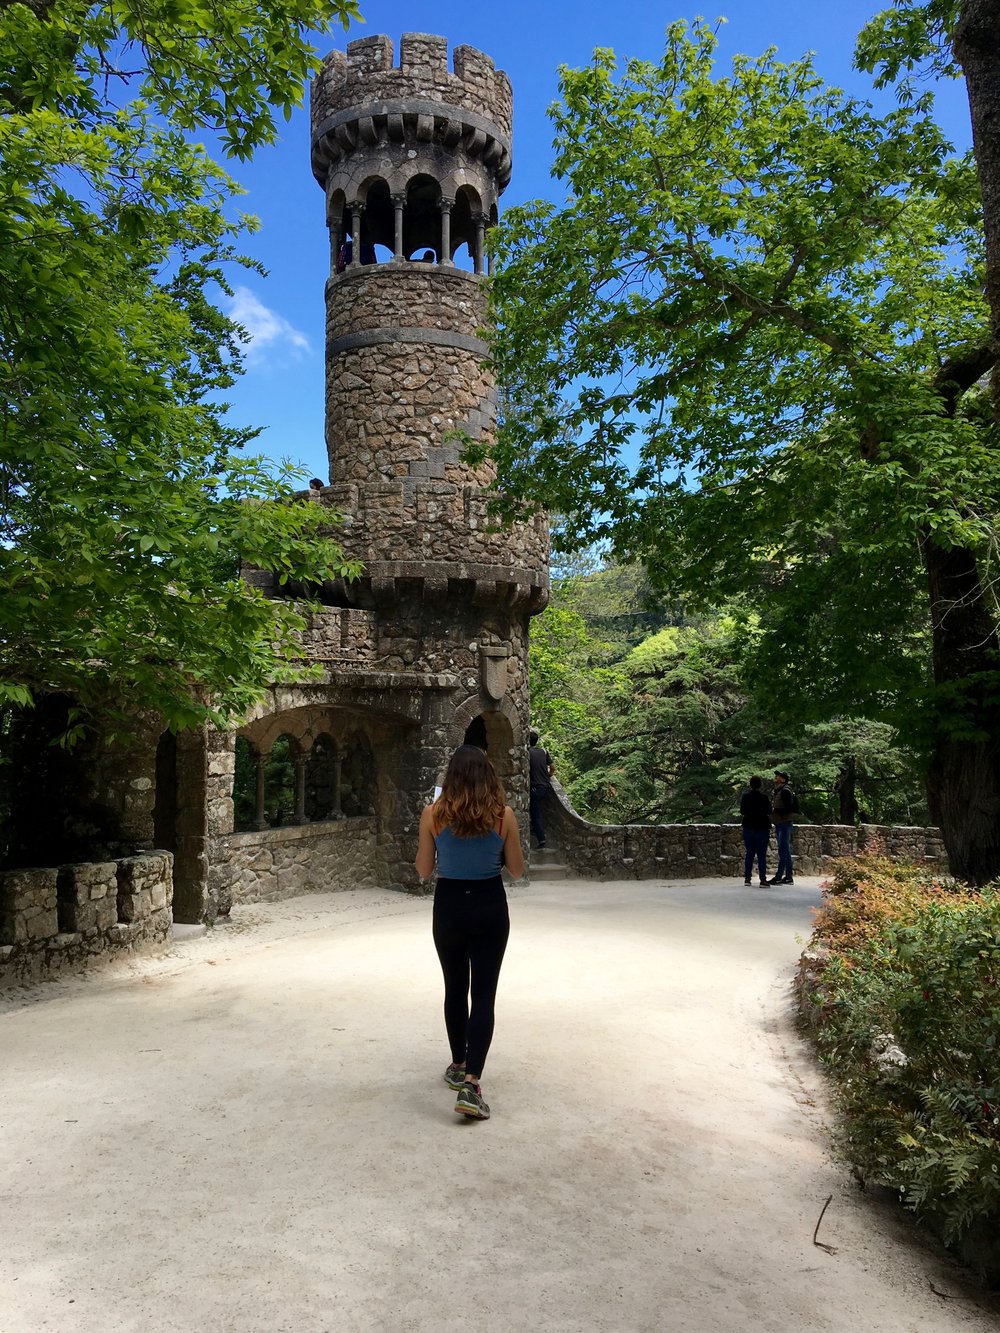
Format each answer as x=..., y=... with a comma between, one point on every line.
x=501, y=729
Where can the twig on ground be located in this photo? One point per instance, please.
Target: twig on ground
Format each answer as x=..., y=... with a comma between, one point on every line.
x=830, y=1249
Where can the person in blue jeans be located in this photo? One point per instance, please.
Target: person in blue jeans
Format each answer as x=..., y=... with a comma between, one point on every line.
x=783, y=807
x=540, y=770
x=755, y=818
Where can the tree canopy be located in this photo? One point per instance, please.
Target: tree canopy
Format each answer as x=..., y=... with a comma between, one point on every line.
x=127, y=500
x=747, y=349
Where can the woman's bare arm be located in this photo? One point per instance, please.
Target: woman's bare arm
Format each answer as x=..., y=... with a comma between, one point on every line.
x=513, y=857
x=426, y=851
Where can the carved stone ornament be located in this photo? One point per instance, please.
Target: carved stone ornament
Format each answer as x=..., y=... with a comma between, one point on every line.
x=493, y=672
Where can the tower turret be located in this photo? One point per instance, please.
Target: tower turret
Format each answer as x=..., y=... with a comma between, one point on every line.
x=413, y=159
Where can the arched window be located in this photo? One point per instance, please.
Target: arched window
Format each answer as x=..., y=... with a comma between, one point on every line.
x=279, y=782
x=358, y=776
x=244, y=786
x=322, y=780
x=377, y=221
x=422, y=217
x=467, y=229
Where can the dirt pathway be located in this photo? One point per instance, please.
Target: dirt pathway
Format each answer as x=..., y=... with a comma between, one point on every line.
x=251, y=1135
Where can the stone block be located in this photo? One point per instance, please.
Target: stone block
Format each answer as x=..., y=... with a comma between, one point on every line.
x=807, y=848
x=873, y=837
x=705, y=849
x=106, y=912
x=28, y=905
x=840, y=840
x=134, y=907
x=123, y=933
x=907, y=843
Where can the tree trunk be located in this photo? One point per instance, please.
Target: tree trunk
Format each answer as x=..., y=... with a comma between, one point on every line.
x=846, y=789
x=976, y=43
x=963, y=779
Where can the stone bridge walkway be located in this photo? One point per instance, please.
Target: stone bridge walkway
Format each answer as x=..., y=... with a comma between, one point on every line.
x=251, y=1134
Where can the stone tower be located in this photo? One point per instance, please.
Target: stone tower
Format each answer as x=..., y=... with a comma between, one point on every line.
x=322, y=784
x=412, y=159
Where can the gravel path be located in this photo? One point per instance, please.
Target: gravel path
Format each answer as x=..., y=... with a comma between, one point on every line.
x=250, y=1134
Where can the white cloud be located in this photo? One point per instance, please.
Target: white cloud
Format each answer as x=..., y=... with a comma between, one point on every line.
x=269, y=332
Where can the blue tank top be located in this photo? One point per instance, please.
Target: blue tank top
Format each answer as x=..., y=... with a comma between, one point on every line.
x=468, y=858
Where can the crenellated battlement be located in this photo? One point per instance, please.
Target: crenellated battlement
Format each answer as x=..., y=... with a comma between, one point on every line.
x=366, y=75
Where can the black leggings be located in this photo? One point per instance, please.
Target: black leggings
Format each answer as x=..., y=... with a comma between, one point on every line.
x=471, y=926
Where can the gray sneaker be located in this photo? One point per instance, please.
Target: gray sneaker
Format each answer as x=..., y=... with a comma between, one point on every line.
x=454, y=1076
x=470, y=1102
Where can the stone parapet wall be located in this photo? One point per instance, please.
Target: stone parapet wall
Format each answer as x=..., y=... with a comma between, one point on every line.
x=366, y=75
x=56, y=918
x=393, y=298
x=695, y=851
x=276, y=863
x=340, y=636
x=437, y=531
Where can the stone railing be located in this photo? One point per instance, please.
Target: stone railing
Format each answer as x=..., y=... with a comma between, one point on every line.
x=694, y=851
x=64, y=916
x=273, y=863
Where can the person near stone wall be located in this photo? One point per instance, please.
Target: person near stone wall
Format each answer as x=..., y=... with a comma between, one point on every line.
x=469, y=833
x=755, y=818
x=783, y=807
x=540, y=772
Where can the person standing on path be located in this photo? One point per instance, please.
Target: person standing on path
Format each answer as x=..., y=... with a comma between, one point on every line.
x=470, y=833
x=540, y=770
x=783, y=807
x=755, y=817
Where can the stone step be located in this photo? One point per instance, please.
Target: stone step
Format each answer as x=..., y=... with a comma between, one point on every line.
x=551, y=871
x=547, y=864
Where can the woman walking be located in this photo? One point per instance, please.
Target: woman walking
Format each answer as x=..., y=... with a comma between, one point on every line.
x=471, y=833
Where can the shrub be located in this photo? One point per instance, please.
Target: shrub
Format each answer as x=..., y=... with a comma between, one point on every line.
x=910, y=1031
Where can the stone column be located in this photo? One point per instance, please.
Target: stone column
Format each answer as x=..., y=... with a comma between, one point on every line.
x=356, y=211
x=480, y=224
x=338, y=763
x=259, y=822
x=299, y=816
x=446, y=207
x=398, y=203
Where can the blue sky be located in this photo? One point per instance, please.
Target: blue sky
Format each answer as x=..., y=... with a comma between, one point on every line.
x=283, y=388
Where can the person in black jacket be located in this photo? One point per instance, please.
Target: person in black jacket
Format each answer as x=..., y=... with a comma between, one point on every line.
x=783, y=807
x=755, y=816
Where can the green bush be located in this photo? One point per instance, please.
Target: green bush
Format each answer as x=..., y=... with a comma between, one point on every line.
x=909, y=1028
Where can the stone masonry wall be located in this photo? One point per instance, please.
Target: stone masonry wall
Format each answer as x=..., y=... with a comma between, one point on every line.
x=693, y=851
x=434, y=530
x=284, y=862
x=366, y=75
x=58, y=918
x=390, y=296
x=405, y=369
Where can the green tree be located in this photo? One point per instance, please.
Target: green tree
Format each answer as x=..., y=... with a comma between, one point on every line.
x=126, y=504
x=751, y=351
x=947, y=36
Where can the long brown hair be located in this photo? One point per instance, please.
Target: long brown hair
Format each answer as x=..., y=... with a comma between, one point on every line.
x=472, y=799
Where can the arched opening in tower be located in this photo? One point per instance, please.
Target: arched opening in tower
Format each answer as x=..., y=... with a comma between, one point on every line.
x=465, y=233
x=377, y=222
x=493, y=733
x=422, y=218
